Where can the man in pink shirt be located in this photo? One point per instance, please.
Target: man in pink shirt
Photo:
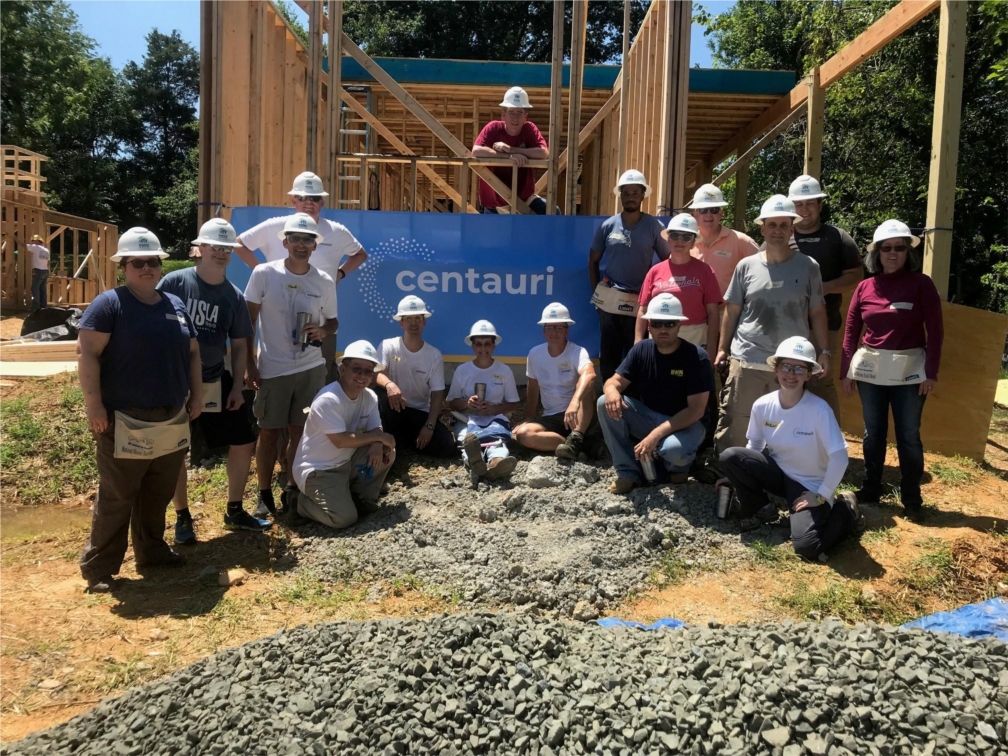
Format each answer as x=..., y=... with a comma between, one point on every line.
x=516, y=137
x=720, y=247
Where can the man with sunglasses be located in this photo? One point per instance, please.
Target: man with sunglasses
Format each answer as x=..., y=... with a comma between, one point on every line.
x=290, y=367
x=720, y=247
x=666, y=416
x=629, y=243
x=219, y=312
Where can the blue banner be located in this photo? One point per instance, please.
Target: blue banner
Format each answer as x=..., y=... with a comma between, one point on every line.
x=466, y=267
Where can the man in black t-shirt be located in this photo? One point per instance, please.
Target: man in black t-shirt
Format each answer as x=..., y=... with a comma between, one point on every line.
x=666, y=419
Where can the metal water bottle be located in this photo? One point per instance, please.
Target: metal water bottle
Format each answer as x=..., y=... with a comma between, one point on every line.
x=480, y=391
x=724, y=495
x=304, y=319
x=647, y=464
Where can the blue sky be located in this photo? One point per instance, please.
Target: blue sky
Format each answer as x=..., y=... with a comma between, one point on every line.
x=119, y=28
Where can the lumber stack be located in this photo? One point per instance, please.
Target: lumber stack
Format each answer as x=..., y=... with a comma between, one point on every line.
x=39, y=351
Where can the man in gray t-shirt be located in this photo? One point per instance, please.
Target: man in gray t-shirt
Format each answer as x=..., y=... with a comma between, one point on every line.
x=773, y=295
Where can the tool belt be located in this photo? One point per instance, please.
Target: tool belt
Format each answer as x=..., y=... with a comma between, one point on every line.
x=212, y=396
x=139, y=439
x=614, y=301
x=888, y=367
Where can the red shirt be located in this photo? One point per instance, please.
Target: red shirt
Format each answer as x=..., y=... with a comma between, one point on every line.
x=528, y=138
x=693, y=284
x=897, y=311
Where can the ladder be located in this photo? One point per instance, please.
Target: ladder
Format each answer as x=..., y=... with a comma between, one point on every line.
x=352, y=129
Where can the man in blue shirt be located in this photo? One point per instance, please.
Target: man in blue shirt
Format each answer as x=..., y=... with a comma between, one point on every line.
x=629, y=243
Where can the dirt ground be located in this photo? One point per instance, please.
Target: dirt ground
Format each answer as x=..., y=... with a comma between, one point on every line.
x=62, y=651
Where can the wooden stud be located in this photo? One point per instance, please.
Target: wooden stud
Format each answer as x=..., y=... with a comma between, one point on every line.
x=741, y=198
x=583, y=137
x=579, y=21
x=675, y=89
x=314, y=82
x=256, y=63
x=556, y=94
x=814, y=129
x=624, y=102
x=413, y=180
x=333, y=112
x=204, y=190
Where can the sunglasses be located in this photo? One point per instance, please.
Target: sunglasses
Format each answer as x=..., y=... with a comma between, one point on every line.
x=892, y=248
x=360, y=371
x=300, y=239
x=556, y=327
x=706, y=210
x=146, y=262
x=663, y=323
x=796, y=369
x=308, y=197
x=220, y=248
x=681, y=236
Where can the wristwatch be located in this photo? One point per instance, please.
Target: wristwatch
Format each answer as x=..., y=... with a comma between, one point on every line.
x=429, y=426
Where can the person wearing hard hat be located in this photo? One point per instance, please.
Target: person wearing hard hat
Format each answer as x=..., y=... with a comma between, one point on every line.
x=482, y=395
x=896, y=315
x=40, y=272
x=629, y=243
x=717, y=245
x=338, y=253
x=516, y=137
x=139, y=368
x=219, y=312
x=561, y=374
x=667, y=415
x=411, y=386
x=344, y=455
x=292, y=304
x=773, y=295
x=795, y=450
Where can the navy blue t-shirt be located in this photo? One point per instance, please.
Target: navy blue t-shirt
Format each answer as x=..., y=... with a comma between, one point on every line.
x=146, y=361
x=665, y=381
x=218, y=311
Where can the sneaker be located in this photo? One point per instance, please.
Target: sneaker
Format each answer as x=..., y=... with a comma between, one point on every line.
x=100, y=585
x=571, y=448
x=621, y=486
x=850, y=500
x=474, y=454
x=242, y=520
x=184, y=533
x=265, y=506
x=500, y=468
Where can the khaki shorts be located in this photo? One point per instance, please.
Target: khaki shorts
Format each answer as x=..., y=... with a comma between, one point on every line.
x=281, y=401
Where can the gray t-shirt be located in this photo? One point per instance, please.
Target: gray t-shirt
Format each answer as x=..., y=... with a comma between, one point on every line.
x=217, y=310
x=629, y=252
x=775, y=299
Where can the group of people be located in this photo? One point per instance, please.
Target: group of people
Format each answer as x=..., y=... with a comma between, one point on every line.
x=154, y=361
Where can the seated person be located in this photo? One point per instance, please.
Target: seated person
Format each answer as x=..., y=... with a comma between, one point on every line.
x=795, y=449
x=484, y=392
x=411, y=386
x=344, y=455
x=671, y=379
x=560, y=372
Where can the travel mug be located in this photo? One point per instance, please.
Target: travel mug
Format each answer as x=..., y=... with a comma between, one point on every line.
x=647, y=463
x=724, y=495
x=304, y=319
x=481, y=391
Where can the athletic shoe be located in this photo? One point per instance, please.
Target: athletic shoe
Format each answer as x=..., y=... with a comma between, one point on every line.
x=621, y=486
x=184, y=533
x=474, y=454
x=571, y=447
x=500, y=468
x=265, y=506
x=242, y=520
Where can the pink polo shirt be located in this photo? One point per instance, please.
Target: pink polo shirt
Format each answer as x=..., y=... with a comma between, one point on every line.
x=693, y=284
x=725, y=253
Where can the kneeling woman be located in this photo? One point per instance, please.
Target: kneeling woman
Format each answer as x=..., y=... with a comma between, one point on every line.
x=795, y=450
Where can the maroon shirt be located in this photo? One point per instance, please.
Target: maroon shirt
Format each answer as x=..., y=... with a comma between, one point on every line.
x=898, y=311
x=528, y=138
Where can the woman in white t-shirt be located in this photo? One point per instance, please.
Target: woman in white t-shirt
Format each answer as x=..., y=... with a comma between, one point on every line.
x=795, y=449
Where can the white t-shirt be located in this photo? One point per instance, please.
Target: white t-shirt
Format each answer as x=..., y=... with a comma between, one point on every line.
x=337, y=243
x=416, y=374
x=281, y=295
x=500, y=387
x=332, y=412
x=557, y=376
x=799, y=439
x=40, y=256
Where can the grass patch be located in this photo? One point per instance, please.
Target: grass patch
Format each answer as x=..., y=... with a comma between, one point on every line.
x=934, y=569
x=671, y=570
x=399, y=586
x=962, y=473
x=764, y=553
x=843, y=600
x=307, y=590
x=882, y=535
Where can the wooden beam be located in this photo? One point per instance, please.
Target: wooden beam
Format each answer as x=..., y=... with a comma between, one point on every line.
x=556, y=91
x=741, y=197
x=584, y=136
x=814, y=126
x=945, y=142
x=579, y=21
x=675, y=95
x=257, y=63
x=624, y=104
x=333, y=120
x=753, y=151
x=207, y=45
x=315, y=14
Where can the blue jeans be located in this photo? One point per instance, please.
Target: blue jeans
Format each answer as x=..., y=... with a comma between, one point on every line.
x=494, y=434
x=536, y=204
x=40, y=289
x=677, y=450
x=907, y=407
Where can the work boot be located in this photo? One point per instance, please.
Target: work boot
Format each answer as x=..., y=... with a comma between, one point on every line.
x=849, y=499
x=571, y=448
x=500, y=468
x=868, y=494
x=474, y=454
x=621, y=486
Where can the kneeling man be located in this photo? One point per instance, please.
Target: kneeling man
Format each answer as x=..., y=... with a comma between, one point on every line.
x=672, y=379
x=559, y=372
x=344, y=455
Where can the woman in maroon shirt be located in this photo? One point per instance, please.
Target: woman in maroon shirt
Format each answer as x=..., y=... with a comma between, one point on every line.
x=899, y=310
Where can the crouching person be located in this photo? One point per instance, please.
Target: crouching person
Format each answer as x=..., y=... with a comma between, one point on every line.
x=483, y=391
x=560, y=373
x=668, y=418
x=344, y=455
x=795, y=449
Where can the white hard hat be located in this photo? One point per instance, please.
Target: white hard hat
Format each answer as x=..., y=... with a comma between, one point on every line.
x=217, y=232
x=516, y=97
x=300, y=223
x=796, y=348
x=556, y=313
x=805, y=188
x=482, y=328
x=309, y=185
x=682, y=222
x=708, y=195
x=777, y=206
x=632, y=177
x=361, y=350
x=138, y=242
x=409, y=306
x=893, y=229
x=664, y=307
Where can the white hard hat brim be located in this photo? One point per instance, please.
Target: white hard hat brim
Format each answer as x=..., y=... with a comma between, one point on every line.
x=656, y=316
x=400, y=315
x=378, y=367
x=666, y=231
x=121, y=255
x=308, y=194
x=702, y=205
x=777, y=214
x=800, y=197
x=215, y=243
x=471, y=336
x=914, y=240
x=548, y=321
x=772, y=362
x=512, y=105
x=647, y=189
x=283, y=234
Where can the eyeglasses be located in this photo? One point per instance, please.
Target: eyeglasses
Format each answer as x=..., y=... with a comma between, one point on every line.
x=706, y=210
x=796, y=369
x=146, y=262
x=484, y=342
x=663, y=323
x=556, y=327
x=893, y=248
x=300, y=239
x=360, y=370
x=308, y=197
x=683, y=236
x=220, y=248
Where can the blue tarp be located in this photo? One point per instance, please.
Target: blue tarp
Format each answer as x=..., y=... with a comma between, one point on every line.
x=972, y=621
x=665, y=623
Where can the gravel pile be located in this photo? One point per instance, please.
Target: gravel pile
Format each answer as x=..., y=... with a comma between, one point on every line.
x=554, y=537
x=506, y=684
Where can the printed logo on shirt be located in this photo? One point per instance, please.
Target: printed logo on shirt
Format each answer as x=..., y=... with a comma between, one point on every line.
x=684, y=282
x=913, y=377
x=676, y=373
x=203, y=315
x=771, y=424
x=901, y=306
x=618, y=237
